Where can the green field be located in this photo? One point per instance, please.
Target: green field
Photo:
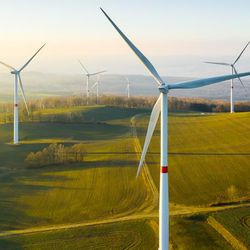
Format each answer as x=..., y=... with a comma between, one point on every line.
x=194, y=233
x=237, y=222
x=209, y=157
x=132, y=235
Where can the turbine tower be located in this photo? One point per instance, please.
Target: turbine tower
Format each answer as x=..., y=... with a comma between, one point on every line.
x=233, y=71
x=96, y=86
x=128, y=86
x=88, y=76
x=17, y=81
x=161, y=105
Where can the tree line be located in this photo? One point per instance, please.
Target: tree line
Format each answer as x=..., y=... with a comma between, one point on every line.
x=37, y=106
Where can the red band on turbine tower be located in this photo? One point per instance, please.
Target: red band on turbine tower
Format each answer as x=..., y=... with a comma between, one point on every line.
x=164, y=169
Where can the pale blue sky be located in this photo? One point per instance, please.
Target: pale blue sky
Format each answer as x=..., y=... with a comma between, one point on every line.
x=175, y=35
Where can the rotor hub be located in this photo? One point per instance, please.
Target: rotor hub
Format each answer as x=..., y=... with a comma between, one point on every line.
x=163, y=88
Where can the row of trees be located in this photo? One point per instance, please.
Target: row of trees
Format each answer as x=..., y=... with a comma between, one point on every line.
x=55, y=154
x=184, y=104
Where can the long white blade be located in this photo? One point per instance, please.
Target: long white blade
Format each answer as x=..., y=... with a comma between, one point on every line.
x=219, y=63
x=7, y=65
x=143, y=59
x=23, y=94
x=151, y=127
x=241, y=53
x=26, y=64
x=235, y=71
x=204, y=82
x=97, y=73
x=83, y=67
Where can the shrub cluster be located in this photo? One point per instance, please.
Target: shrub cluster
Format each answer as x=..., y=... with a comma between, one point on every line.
x=55, y=154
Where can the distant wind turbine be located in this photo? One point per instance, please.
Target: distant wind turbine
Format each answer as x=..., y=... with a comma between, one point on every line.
x=89, y=75
x=234, y=71
x=96, y=86
x=128, y=86
x=18, y=79
x=161, y=105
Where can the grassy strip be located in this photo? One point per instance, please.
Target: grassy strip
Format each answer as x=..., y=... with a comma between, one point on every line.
x=236, y=244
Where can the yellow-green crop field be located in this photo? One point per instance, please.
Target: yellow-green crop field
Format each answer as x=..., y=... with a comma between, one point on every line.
x=98, y=203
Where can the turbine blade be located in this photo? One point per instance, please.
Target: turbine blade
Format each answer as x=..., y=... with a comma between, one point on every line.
x=241, y=53
x=236, y=73
x=94, y=85
x=138, y=53
x=127, y=80
x=219, y=63
x=97, y=73
x=26, y=64
x=151, y=127
x=206, y=81
x=23, y=94
x=7, y=65
x=83, y=67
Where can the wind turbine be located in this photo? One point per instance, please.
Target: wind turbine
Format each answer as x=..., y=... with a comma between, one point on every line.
x=89, y=75
x=18, y=79
x=128, y=86
x=96, y=85
x=161, y=105
x=234, y=71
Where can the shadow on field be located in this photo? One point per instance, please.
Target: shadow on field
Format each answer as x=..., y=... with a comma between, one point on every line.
x=31, y=182
x=81, y=166
x=16, y=185
x=8, y=244
x=110, y=163
x=104, y=114
x=71, y=131
x=13, y=156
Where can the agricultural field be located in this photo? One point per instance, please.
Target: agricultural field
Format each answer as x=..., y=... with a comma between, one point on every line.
x=237, y=222
x=102, y=186
x=132, y=235
x=98, y=203
x=209, y=157
x=193, y=232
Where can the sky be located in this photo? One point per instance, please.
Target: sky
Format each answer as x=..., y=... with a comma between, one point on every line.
x=177, y=36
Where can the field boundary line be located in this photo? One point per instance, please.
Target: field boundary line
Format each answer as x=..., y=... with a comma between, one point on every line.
x=142, y=216
x=43, y=229
x=230, y=238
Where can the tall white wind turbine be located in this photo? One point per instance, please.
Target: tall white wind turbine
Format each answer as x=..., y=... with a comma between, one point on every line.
x=88, y=76
x=161, y=105
x=233, y=71
x=18, y=79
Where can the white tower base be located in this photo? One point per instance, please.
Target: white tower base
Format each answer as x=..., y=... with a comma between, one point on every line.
x=164, y=197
